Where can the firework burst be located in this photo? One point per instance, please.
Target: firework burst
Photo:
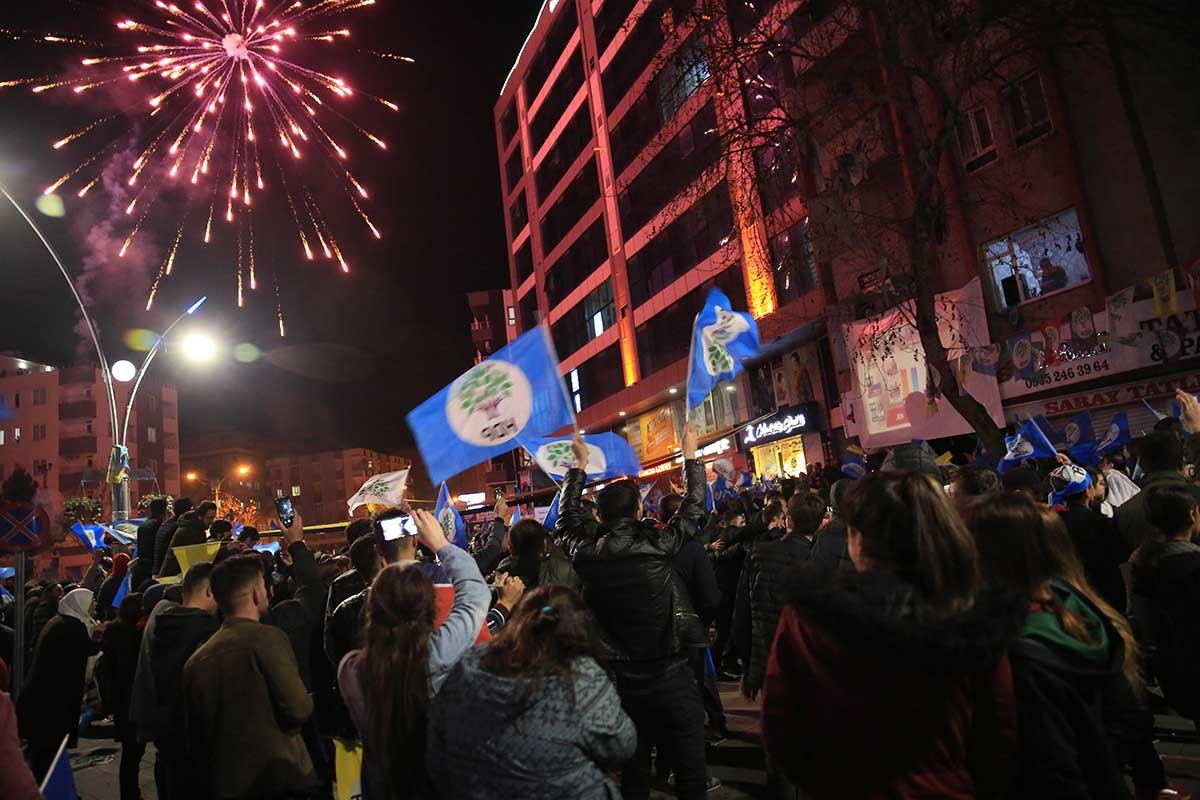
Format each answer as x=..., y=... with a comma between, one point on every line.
x=230, y=112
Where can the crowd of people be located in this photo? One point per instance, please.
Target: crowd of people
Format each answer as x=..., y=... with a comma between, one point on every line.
x=917, y=632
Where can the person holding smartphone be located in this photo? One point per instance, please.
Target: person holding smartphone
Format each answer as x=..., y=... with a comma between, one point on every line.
x=389, y=683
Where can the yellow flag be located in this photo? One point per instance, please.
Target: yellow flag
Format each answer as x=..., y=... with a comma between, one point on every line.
x=189, y=555
x=1166, y=301
x=944, y=458
x=347, y=762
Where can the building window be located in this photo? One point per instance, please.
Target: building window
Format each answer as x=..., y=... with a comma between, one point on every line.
x=681, y=161
x=586, y=320
x=524, y=261
x=508, y=122
x=648, y=33
x=975, y=139
x=518, y=213
x=16, y=435
x=512, y=315
x=152, y=403
x=569, y=82
x=89, y=426
x=295, y=490
x=600, y=377
x=777, y=165
x=1, y=437
x=39, y=433
x=579, y=196
x=566, y=149
x=580, y=260
x=694, y=236
x=39, y=397
x=1038, y=260
x=609, y=20
x=278, y=493
x=1025, y=101
x=675, y=83
x=552, y=46
x=152, y=435
x=530, y=314
x=794, y=263
x=16, y=399
x=514, y=168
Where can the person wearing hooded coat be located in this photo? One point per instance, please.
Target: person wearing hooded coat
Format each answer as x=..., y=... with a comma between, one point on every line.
x=892, y=681
x=50, y=701
x=108, y=590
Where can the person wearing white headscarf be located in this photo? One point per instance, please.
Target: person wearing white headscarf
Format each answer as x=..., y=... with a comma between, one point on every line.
x=49, y=705
x=1120, y=488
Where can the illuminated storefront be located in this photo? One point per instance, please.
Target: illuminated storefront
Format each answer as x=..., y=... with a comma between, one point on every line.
x=775, y=443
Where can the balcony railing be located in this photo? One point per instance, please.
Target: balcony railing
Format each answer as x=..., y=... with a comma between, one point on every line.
x=77, y=409
x=83, y=374
x=76, y=446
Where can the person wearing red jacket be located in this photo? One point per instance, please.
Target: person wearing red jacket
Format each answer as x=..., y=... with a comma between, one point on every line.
x=891, y=681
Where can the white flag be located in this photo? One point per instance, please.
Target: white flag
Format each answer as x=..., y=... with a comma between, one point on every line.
x=381, y=490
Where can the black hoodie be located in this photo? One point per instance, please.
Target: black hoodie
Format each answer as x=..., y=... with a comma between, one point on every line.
x=1075, y=710
x=172, y=634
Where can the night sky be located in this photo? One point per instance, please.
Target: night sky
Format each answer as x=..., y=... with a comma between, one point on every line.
x=362, y=349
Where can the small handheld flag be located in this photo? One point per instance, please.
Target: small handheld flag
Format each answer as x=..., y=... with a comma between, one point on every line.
x=516, y=514
x=1081, y=438
x=854, y=462
x=515, y=395
x=609, y=456
x=59, y=783
x=269, y=547
x=381, y=490
x=91, y=534
x=1028, y=442
x=552, y=512
x=721, y=340
x=1116, y=436
x=449, y=518
x=122, y=590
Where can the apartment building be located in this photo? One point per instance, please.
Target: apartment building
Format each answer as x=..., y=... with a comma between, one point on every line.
x=54, y=423
x=622, y=206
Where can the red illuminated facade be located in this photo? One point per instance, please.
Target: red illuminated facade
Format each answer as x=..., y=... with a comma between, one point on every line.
x=621, y=208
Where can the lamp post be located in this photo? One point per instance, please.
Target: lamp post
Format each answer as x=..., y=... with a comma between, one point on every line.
x=121, y=509
x=118, y=476
x=192, y=477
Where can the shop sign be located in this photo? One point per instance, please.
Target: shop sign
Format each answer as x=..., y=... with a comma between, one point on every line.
x=1113, y=358
x=716, y=448
x=1073, y=403
x=783, y=423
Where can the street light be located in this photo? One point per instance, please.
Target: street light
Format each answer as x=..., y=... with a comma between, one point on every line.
x=191, y=477
x=199, y=347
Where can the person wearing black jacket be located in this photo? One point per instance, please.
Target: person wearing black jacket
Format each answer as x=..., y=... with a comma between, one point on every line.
x=1161, y=457
x=142, y=569
x=627, y=570
x=166, y=532
x=120, y=645
x=172, y=634
x=767, y=572
x=694, y=569
x=191, y=528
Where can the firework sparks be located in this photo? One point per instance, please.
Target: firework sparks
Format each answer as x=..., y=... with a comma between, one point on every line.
x=226, y=91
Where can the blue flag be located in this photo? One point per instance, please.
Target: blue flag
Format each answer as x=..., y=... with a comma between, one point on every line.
x=710, y=502
x=59, y=783
x=449, y=518
x=1081, y=438
x=91, y=534
x=269, y=547
x=122, y=590
x=552, y=512
x=1028, y=442
x=609, y=456
x=1116, y=436
x=721, y=340
x=516, y=394
x=516, y=514
x=1057, y=438
x=854, y=462
x=7, y=572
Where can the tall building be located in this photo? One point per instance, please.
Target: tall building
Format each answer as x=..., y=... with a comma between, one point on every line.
x=322, y=482
x=54, y=424
x=226, y=463
x=623, y=203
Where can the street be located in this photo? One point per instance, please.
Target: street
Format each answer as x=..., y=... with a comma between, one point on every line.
x=738, y=762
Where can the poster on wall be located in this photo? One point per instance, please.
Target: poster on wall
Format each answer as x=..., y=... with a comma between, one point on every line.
x=895, y=403
x=1133, y=337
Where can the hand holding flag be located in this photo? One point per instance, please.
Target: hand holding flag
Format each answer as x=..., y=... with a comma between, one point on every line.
x=449, y=518
x=1028, y=442
x=608, y=456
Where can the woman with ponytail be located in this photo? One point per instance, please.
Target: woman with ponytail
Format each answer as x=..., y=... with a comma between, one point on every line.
x=533, y=714
x=891, y=681
x=387, y=684
x=1074, y=666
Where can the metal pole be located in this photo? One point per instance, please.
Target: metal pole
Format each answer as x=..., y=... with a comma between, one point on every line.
x=18, y=675
x=107, y=376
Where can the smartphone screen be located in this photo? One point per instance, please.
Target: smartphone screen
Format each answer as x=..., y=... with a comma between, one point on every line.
x=397, y=527
x=499, y=493
x=287, y=513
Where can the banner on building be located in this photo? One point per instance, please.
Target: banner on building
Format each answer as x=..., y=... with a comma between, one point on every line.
x=891, y=378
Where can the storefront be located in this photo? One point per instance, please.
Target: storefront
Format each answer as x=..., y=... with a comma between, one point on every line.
x=776, y=443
